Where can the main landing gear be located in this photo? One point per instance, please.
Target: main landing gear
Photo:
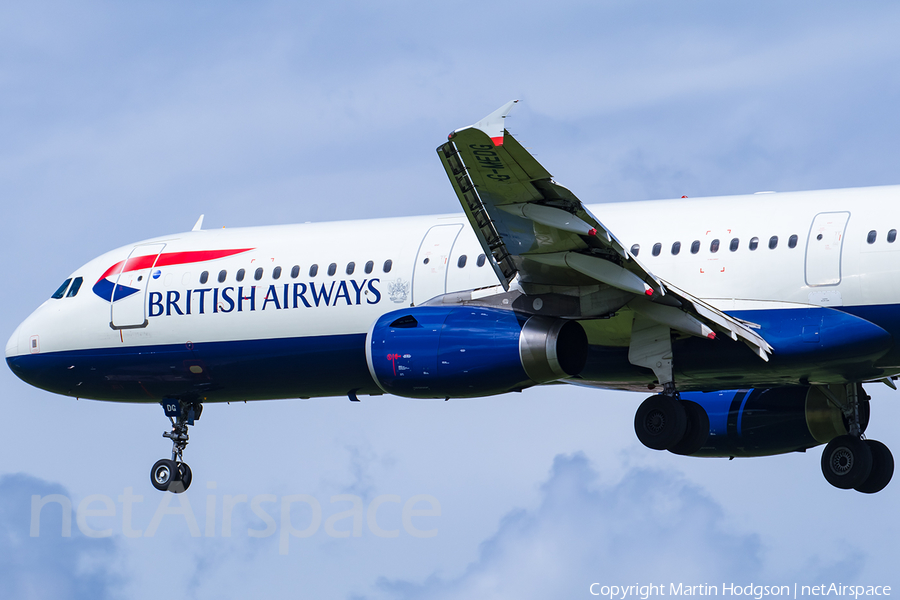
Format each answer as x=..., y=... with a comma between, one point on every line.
x=665, y=422
x=850, y=461
x=174, y=475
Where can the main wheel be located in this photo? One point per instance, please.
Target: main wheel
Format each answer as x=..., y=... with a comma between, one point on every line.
x=882, y=468
x=696, y=432
x=184, y=479
x=163, y=473
x=846, y=462
x=660, y=422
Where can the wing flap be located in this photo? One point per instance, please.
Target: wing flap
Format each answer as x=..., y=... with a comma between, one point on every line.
x=723, y=323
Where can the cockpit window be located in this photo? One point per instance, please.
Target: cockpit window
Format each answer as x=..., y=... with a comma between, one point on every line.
x=59, y=293
x=76, y=285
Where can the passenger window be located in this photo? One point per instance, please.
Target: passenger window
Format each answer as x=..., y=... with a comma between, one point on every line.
x=276, y=272
x=461, y=262
x=695, y=247
x=754, y=243
x=351, y=266
x=714, y=246
x=76, y=285
x=239, y=276
x=258, y=274
x=313, y=270
x=676, y=248
x=222, y=275
x=295, y=272
x=204, y=276
x=735, y=242
x=871, y=237
x=892, y=235
x=61, y=291
x=657, y=248
x=480, y=261
x=792, y=241
x=773, y=242
x=332, y=268
x=370, y=266
x=387, y=266
x=635, y=249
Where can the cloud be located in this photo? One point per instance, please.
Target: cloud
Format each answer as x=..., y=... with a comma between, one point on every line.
x=651, y=527
x=49, y=565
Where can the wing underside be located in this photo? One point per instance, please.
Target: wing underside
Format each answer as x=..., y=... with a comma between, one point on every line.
x=538, y=235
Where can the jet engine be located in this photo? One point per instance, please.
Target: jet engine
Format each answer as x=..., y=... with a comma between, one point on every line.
x=762, y=422
x=468, y=351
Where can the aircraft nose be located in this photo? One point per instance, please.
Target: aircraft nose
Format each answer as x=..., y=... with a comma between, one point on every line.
x=23, y=354
x=12, y=344
x=15, y=345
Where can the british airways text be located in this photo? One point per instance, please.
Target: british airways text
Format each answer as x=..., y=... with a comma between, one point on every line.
x=276, y=297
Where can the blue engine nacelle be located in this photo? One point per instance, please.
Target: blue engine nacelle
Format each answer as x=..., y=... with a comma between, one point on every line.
x=762, y=422
x=467, y=351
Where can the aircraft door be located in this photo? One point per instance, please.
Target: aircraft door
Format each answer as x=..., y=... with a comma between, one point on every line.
x=430, y=272
x=823, y=248
x=128, y=303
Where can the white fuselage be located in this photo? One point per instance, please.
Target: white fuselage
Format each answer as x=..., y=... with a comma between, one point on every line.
x=842, y=269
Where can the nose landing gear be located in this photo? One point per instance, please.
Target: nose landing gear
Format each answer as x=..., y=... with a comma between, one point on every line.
x=174, y=475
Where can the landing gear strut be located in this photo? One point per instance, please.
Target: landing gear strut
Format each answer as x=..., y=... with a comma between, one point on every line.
x=850, y=461
x=174, y=475
x=665, y=421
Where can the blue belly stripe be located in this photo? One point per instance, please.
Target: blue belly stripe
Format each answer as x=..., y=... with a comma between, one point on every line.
x=216, y=371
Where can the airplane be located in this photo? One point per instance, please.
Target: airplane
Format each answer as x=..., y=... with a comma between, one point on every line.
x=754, y=320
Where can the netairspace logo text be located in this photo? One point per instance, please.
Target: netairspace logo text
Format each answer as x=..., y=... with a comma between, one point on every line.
x=345, y=523
x=757, y=592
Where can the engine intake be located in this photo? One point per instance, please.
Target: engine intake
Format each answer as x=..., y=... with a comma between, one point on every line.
x=466, y=351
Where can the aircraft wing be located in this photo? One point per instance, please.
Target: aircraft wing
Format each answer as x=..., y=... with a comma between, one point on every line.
x=537, y=230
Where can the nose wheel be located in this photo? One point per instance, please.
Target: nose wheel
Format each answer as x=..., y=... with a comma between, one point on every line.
x=174, y=475
x=170, y=476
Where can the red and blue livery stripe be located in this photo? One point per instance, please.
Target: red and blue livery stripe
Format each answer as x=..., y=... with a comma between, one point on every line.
x=107, y=289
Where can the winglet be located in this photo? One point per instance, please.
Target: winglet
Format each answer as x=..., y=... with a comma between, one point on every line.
x=198, y=224
x=492, y=124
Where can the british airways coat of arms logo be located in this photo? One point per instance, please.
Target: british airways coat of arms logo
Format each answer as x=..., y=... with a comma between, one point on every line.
x=398, y=290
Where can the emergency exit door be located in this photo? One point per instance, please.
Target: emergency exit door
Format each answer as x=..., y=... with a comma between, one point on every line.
x=430, y=272
x=823, y=248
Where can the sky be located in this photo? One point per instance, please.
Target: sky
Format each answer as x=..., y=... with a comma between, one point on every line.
x=124, y=121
